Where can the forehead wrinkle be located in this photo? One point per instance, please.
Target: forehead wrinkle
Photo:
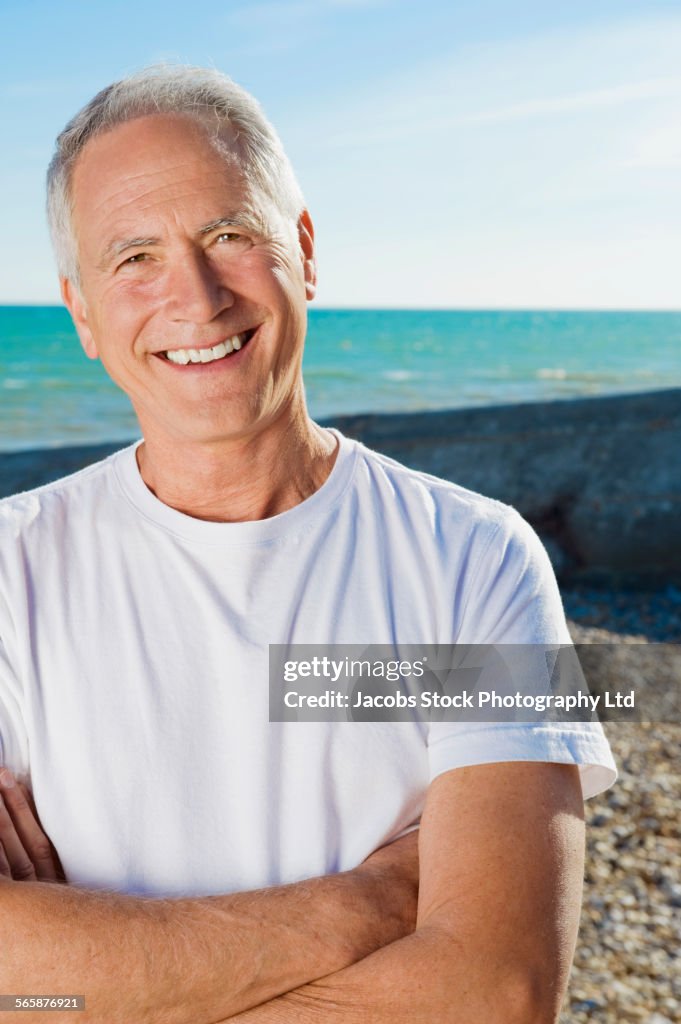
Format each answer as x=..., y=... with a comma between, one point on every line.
x=176, y=174
x=168, y=177
x=155, y=195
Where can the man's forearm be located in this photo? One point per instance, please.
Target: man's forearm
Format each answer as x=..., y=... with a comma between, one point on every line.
x=502, y=851
x=194, y=960
x=425, y=978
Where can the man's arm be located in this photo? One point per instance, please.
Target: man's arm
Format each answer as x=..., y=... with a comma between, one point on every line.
x=501, y=854
x=155, y=961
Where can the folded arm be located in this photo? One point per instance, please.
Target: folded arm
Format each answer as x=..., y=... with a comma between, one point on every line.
x=501, y=855
x=173, y=961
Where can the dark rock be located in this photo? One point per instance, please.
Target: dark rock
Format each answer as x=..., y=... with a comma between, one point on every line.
x=21, y=471
x=585, y=1006
x=599, y=477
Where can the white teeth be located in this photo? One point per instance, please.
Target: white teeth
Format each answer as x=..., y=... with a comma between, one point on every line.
x=182, y=356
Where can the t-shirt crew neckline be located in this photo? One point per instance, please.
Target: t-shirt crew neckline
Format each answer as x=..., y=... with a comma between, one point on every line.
x=258, y=531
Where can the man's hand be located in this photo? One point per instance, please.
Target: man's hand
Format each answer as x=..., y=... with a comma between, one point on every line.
x=26, y=853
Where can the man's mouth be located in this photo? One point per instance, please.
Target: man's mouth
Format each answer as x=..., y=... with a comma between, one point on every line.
x=224, y=349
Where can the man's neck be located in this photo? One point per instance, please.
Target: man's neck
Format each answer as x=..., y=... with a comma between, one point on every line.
x=242, y=479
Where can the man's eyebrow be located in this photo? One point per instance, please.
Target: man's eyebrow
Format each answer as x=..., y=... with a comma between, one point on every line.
x=234, y=221
x=119, y=245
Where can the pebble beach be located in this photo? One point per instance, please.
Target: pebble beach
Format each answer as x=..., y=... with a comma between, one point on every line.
x=628, y=960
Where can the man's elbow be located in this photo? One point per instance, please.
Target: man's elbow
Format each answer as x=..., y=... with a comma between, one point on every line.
x=531, y=997
x=468, y=984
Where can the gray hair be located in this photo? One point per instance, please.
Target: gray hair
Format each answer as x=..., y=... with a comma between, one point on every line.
x=209, y=97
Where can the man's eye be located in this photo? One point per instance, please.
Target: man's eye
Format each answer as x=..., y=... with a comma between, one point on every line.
x=229, y=236
x=139, y=257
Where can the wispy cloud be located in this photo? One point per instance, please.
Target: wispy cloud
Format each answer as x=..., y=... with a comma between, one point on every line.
x=396, y=124
x=649, y=89
x=630, y=66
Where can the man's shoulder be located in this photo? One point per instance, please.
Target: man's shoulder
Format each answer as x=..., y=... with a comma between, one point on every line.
x=482, y=549
x=442, y=501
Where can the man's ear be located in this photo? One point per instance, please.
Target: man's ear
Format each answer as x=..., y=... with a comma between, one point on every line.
x=306, y=239
x=76, y=307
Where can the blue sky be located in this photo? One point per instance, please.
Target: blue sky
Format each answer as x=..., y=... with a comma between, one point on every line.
x=453, y=154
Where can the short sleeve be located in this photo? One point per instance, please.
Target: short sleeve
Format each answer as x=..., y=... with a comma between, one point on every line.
x=13, y=737
x=512, y=597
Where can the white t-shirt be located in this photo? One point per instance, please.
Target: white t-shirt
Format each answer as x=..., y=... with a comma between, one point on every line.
x=134, y=668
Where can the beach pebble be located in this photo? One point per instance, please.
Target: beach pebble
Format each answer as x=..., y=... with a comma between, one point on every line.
x=628, y=960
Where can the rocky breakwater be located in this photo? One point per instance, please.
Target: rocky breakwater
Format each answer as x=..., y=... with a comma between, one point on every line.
x=598, y=478
x=21, y=471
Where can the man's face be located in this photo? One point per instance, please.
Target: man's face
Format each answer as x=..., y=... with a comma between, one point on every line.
x=179, y=256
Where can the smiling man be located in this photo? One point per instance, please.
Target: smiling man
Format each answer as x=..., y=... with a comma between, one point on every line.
x=201, y=318
x=222, y=866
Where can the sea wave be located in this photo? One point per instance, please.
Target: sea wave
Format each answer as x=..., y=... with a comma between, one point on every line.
x=401, y=375
x=551, y=374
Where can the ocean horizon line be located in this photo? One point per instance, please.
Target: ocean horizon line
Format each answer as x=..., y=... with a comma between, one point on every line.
x=561, y=310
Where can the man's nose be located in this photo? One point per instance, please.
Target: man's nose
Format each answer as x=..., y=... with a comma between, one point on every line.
x=196, y=292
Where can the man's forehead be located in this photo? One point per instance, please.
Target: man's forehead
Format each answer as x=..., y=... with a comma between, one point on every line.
x=167, y=129
x=130, y=180
x=155, y=151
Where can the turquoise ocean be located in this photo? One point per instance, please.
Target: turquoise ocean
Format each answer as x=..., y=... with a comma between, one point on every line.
x=356, y=361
